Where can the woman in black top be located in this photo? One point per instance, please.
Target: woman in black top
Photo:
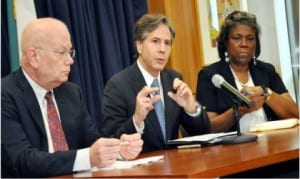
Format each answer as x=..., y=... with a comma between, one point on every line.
x=238, y=48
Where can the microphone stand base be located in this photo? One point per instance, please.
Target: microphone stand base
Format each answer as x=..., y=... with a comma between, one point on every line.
x=239, y=139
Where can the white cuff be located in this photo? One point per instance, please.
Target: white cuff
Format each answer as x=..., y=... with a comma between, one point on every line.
x=139, y=129
x=82, y=160
x=198, y=110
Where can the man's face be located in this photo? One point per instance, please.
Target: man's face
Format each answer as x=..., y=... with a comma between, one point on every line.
x=54, y=63
x=155, y=50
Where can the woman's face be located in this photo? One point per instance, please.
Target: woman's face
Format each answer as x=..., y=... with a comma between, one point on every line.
x=241, y=44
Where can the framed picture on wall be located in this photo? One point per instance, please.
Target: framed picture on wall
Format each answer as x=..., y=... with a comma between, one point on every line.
x=217, y=11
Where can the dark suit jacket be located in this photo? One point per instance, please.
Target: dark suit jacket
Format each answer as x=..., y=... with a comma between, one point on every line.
x=218, y=100
x=118, y=107
x=23, y=138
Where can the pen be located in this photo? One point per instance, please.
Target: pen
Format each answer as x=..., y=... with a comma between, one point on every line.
x=247, y=92
x=188, y=146
x=151, y=95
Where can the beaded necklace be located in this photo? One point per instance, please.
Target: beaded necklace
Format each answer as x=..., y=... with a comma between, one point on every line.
x=237, y=81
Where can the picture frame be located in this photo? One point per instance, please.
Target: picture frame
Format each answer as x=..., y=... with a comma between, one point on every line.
x=217, y=12
x=209, y=49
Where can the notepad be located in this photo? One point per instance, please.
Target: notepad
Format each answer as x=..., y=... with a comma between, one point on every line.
x=273, y=125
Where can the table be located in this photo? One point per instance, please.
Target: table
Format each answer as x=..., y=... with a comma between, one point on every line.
x=271, y=147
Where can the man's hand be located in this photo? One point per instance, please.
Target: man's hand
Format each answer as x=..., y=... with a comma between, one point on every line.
x=131, y=146
x=183, y=96
x=144, y=103
x=104, y=152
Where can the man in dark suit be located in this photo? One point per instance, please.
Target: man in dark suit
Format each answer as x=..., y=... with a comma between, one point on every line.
x=29, y=147
x=129, y=100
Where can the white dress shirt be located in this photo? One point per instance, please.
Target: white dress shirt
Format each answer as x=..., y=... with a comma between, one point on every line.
x=149, y=79
x=82, y=160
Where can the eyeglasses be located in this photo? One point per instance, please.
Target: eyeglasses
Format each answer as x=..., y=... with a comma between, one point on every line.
x=62, y=54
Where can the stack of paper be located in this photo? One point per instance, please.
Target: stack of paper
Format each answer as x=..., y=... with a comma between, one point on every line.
x=206, y=137
x=272, y=125
x=131, y=163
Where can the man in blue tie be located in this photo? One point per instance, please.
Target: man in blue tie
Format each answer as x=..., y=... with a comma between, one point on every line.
x=147, y=97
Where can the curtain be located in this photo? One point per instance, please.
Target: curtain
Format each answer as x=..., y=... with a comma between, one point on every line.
x=292, y=9
x=102, y=33
x=6, y=58
x=5, y=53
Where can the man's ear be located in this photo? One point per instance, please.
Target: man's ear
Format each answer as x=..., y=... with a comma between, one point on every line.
x=32, y=57
x=138, y=46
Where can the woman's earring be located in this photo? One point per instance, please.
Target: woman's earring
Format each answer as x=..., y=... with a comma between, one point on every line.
x=227, y=59
x=254, y=60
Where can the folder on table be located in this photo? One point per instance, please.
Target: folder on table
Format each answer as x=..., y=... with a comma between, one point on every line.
x=273, y=125
x=203, y=140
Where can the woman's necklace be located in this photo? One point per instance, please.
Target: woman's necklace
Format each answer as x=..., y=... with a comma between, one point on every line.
x=238, y=81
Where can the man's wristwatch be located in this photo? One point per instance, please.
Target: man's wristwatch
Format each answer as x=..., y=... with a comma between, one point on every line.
x=267, y=93
x=198, y=107
x=197, y=110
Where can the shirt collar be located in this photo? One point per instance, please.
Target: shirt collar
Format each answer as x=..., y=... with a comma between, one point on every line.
x=38, y=90
x=147, y=76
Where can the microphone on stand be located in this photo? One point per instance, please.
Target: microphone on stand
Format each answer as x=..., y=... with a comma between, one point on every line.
x=219, y=82
x=238, y=100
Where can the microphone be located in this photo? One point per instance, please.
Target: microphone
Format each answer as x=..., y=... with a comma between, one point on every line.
x=219, y=82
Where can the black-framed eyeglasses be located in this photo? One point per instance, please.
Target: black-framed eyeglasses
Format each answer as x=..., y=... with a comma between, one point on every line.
x=63, y=54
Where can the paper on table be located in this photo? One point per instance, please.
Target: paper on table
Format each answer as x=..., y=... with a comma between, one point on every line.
x=272, y=125
x=205, y=137
x=131, y=163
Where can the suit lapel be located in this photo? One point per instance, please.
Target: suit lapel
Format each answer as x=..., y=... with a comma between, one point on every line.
x=138, y=82
x=257, y=76
x=167, y=84
x=31, y=102
x=64, y=109
x=225, y=71
x=228, y=74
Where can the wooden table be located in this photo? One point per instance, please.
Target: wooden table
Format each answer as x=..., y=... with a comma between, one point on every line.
x=214, y=161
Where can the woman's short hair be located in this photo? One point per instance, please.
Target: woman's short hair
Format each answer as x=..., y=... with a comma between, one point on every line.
x=233, y=19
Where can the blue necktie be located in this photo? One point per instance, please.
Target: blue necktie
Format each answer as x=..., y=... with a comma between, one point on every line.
x=159, y=109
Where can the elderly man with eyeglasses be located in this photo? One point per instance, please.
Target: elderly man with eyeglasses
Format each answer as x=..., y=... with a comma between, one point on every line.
x=45, y=127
